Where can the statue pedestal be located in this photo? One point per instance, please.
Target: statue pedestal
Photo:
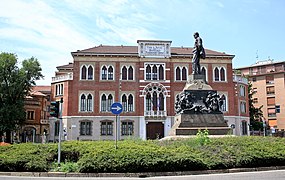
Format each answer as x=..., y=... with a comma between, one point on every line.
x=198, y=107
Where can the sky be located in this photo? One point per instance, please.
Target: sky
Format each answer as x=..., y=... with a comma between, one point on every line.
x=252, y=30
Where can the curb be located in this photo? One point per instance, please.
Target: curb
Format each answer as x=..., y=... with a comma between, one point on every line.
x=142, y=174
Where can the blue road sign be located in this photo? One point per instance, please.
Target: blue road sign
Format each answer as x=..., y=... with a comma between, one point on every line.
x=116, y=108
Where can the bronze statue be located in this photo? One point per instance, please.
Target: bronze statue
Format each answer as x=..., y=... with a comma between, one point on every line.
x=198, y=52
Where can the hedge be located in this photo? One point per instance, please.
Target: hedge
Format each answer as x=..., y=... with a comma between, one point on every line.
x=146, y=156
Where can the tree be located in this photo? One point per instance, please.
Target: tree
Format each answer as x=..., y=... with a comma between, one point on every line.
x=16, y=84
x=255, y=113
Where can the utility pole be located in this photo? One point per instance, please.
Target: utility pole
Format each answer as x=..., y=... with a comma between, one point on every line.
x=60, y=132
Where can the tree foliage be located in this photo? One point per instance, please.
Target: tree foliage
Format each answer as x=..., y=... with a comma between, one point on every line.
x=15, y=84
x=255, y=113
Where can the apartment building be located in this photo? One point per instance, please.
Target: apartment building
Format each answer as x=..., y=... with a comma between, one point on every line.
x=268, y=83
x=145, y=79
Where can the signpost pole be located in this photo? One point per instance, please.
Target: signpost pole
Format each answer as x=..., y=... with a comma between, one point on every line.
x=60, y=131
x=116, y=134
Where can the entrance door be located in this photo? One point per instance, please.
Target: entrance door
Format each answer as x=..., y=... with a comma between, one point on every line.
x=154, y=130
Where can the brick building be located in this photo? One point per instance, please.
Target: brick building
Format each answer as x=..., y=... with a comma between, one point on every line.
x=268, y=82
x=145, y=79
x=37, y=114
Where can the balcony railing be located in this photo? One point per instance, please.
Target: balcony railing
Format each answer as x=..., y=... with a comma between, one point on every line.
x=65, y=77
x=155, y=113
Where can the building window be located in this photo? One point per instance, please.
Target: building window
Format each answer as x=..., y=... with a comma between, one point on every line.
x=271, y=112
x=255, y=100
x=85, y=128
x=83, y=72
x=277, y=108
x=225, y=104
x=127, y=128
x=59, y=89
x=269, y=79
x=107, y=73
x=127, y=73
x=181, y=73
x=154, y=71
x=106, y=102
x=86, y=102
x=86, y=72
x=30, y=115
x=106, y=128
x=155, y=100
x=204, y=72
x=271, y=101
x=242, y=90
x=243, y=107
x=219, y=74
x=128, y=103
x=270, y=90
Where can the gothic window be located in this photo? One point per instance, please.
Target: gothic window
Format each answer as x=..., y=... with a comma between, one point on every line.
x=148, y=102
x=104, y=73
x=148, y=72
x=89, y=102
x=224, y=105
x=103, y=103
x=222, y=73
x=130, y=103
x=184, y=73
x=161, y=102
x=130, y=71
x=83, y=102
x=83, y=72
x=110, y=73
x=154, y=72
x=216, y=71
x=161, y=72
x=178, y=72
x=124, y=102
x=90, y=73
x=110, y=102
x=124, y=73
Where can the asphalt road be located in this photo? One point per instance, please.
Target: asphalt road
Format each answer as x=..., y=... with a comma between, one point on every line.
x=260, y=175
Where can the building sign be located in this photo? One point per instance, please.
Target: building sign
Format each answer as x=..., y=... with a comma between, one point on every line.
x=157, y=49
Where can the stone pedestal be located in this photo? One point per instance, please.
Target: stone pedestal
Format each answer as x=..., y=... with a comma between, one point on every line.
x=198, y=107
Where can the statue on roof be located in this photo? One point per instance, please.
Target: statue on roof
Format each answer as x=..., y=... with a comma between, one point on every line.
x=198, y=53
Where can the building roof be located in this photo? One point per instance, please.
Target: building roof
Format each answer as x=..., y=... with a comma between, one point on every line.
x=37, y=93
x=133, y=50
x=67, y=66
x=41, y=88
x=262, y=63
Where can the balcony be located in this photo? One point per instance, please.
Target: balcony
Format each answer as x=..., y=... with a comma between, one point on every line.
x=240, y=79
x=155, y=114
x=65, y=77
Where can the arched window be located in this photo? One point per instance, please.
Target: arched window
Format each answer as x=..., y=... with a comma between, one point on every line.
x=131, y=76
x=222, y=74
x=148, y=102
x=184, y=73
x=224, y=105
x=104, y=73
x=103, y=103
x=216, y=71
x=178, y=72
x=124, y=73
x=130, y=103
x=110, y=73
x=161, y=102
x=148, y=72
x=89, y=102
x=161, y=72
x=154, y=72
x=90, y=73
x=83, y=72
x=154, y=100
x=110, y=102
x=83, y=102
x=124, y=102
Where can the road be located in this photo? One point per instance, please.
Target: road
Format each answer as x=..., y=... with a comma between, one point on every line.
x=260, y=175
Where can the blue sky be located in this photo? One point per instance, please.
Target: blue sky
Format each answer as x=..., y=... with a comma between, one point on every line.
x=50, y=30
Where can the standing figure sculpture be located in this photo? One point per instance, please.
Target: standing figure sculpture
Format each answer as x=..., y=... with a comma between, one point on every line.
x=198, y=52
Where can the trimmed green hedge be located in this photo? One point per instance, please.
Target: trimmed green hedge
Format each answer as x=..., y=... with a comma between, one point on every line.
x=146, y=156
